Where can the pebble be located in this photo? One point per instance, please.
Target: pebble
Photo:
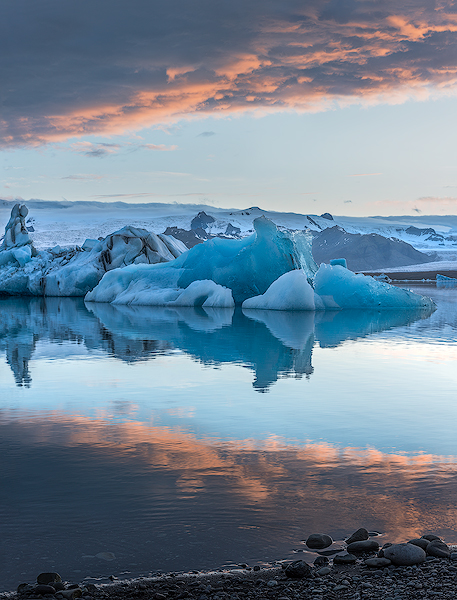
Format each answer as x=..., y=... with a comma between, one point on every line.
x=298, y=569
x=378, y=562
x=363, y=546
x=404, y=554
x=421, y=542
x=344, y=559
x=438, y=549
x=317, y=541
x=358, y=536
x=47, y=578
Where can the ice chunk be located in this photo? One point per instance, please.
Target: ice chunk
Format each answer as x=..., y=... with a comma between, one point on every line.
x=16, y=247
x=339, y=261
x=71, y=272
x=340, y=288
x=443, y=281
x=247, y=267
x=291, y=291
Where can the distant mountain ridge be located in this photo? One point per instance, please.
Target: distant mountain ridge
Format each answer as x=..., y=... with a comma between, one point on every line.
x=365, y=252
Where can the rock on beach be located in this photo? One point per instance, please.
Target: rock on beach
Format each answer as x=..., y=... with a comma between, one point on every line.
x=405, y=554
x=318, y=541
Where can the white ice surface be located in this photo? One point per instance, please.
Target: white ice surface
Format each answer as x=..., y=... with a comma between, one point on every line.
x=291, y=291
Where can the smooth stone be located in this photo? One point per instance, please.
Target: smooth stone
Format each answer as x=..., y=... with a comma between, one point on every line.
x=344, y=559
x=421, y=542
x=358, y=536
x=321, y=561
x=438, y=549
x=405, y=554
x=42, y=589
x=47, y=578
x=363, y=546
x=24, y=588
x=431, y=537
x=378, y=563
x=298, y=569
x=453, y=556
x=324, y=571
x=72, y=594
x=319, y=540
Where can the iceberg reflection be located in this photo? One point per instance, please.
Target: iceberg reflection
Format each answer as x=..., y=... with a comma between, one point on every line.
x=272, y=344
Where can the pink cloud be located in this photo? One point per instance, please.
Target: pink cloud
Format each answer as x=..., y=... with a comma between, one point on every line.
x=263, y=57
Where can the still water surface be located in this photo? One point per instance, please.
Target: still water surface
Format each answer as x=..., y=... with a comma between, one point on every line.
x=183, y=439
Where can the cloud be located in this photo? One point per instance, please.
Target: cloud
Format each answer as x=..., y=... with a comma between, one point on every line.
x=85, y=177
x=206, y=134
x=99, y=150
x=157, y=147
x=364, y=174
x=103, y=149
x=108, y=67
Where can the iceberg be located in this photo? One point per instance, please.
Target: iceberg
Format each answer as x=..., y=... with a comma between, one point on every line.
x=247, y=267
x=339, y=288
x=270, y=270
x=442, y=281
x=74, y=271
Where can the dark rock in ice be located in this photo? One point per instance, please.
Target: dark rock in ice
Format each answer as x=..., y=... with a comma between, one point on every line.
x=232, y=230
x=321, y=561
x=363, y=546
x=202, y=220
x=318, y=541
x=421, y=542
x=327, y=216
x=298, y=569
x=344, y=559
x=377, y=563
x=47, y=578
x=358, y=536
x=438, y=549
x=405, y=554
x=417, y=231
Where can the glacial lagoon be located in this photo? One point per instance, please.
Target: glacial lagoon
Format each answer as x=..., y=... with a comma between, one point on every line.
x=136, y=439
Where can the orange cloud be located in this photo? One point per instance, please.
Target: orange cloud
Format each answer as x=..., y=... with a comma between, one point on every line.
x=225, y=61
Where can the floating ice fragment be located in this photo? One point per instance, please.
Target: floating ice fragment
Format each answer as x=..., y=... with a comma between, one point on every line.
x=340, y=288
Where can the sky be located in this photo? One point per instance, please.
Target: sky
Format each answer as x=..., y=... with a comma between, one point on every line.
x=341, y=106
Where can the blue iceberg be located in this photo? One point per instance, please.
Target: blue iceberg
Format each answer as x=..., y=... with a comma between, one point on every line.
x=245, y=267
x=270, y=270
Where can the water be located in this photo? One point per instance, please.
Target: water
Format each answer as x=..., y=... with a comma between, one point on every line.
x=135, y=439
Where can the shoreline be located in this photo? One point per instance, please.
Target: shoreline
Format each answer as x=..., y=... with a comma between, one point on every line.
x=423, y=568
x=435, y=578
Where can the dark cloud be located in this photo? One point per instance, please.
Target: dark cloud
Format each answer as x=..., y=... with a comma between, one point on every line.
x=75, y=68
x=206, y=134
